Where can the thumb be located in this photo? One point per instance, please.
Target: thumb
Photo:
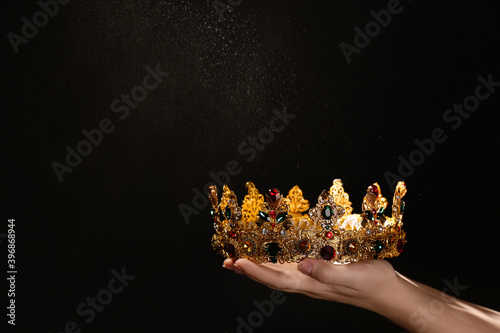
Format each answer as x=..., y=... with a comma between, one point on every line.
x=324, y=272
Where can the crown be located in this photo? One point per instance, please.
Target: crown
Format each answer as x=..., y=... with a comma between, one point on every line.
x=278, y=229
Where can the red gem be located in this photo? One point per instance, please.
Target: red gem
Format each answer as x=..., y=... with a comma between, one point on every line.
x=230, y=249
x=232, y=234
x=272, y=225
x=329, y=234
x=327, y=252
x=400, y=245
x=274, y=194
x=272, y=214
x=374, y=189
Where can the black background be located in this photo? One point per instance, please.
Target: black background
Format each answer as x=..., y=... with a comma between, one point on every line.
x=119, y=207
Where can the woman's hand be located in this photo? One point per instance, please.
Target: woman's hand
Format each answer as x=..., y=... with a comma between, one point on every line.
x=374, y=285
x=364, y=284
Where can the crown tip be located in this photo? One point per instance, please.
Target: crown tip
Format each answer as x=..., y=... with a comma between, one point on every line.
x=400, y=188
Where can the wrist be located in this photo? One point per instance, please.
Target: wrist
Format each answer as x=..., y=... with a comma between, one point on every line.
x=402, y=302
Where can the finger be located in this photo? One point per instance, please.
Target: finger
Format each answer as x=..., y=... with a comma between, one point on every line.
x=259, y=273
x=325, y=272
x=276, y=276
x=229, y=265
x=282, y=267
x=283, y=277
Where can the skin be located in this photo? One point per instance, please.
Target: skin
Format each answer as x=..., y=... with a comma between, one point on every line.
x=374, y=285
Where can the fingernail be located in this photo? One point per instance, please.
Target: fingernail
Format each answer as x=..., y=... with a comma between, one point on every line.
x=228, y=267
x=238, y=269
x=305, y=267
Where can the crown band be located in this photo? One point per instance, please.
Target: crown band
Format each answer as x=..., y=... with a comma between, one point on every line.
x=278, y=229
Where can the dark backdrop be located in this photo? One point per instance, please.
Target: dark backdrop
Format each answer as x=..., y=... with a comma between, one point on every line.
x=119, y=208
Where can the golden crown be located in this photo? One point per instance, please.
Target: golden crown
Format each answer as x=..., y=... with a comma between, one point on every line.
x=278, y=229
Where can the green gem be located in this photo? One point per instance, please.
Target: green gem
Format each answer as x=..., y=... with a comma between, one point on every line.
x=213, y=212
x=402, y=207
x=228, y=212
x=264, y=216
x=327, y=227
x=378, y=246
x=273, y=249
x=281, y=217
x=327, y=212
x=381, y=210
x=369, y=215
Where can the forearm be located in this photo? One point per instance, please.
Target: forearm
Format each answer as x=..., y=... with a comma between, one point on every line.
x=419, y=308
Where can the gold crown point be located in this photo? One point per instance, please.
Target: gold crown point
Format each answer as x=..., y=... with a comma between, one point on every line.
x=398, y=205
x=251, y=203
x=340, y=196
x=212, y=195
x=295, y=200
